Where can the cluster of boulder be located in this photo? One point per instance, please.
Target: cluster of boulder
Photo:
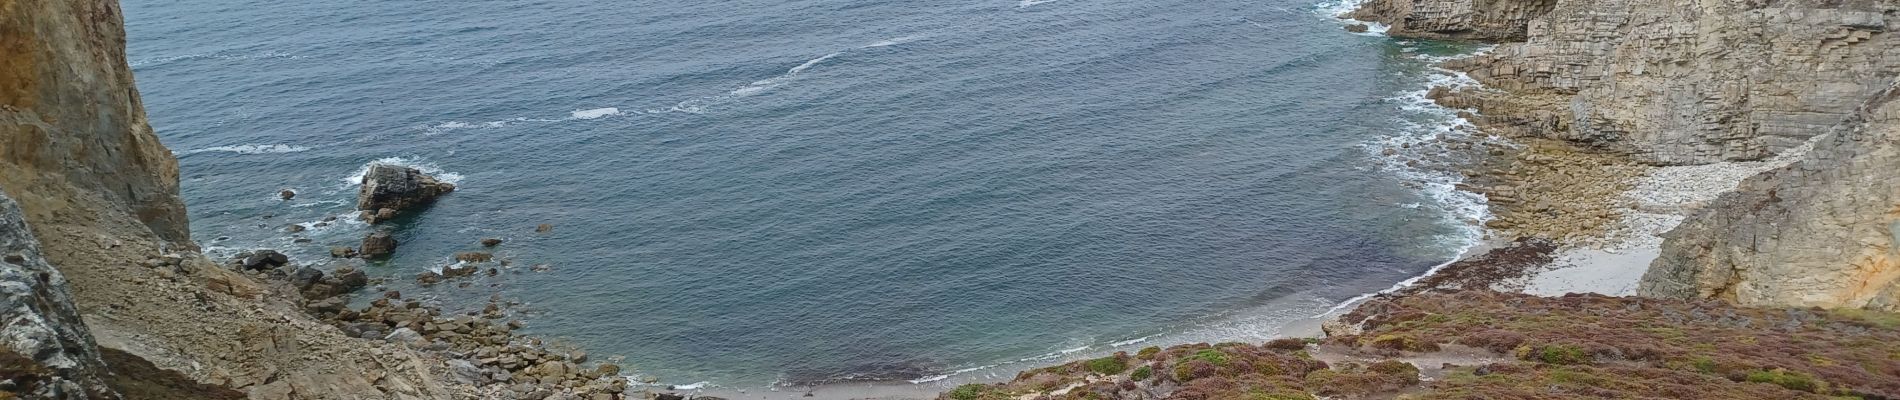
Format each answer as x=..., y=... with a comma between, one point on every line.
x=478, y=347
x=483, y=351
x=325, y=292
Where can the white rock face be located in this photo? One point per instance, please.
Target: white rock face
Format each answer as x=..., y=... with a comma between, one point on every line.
x=38, y=321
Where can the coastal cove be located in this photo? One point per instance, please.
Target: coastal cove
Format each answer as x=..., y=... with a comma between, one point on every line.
x=956, y=192
x=990, y=200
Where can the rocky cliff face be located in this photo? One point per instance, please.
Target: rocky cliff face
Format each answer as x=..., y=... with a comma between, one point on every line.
x=1673, y=82
x=44, y=346
x=100, y=193
x=1684, y=82
x=73, y=136
x=1819, y=232
x=1497, y=20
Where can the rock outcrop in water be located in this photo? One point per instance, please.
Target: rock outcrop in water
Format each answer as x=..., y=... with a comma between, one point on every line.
x=389, y=189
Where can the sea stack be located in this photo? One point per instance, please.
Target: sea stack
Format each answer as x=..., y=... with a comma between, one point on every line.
x=390, y=189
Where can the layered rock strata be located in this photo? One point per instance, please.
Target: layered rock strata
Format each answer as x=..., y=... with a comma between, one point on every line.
x=1819, y=232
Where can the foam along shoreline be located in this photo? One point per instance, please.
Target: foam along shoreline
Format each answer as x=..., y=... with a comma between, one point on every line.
x=1282, y=322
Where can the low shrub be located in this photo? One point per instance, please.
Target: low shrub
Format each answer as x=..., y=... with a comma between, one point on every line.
x=1106, y=365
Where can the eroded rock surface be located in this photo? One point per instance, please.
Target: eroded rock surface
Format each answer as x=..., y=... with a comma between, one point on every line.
x=390, y=189
x=44, y=345
x=1681, y=82
x=1455, y=19
x=1819, y=232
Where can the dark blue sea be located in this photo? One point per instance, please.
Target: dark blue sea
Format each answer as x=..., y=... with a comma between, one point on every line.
x=752, y=193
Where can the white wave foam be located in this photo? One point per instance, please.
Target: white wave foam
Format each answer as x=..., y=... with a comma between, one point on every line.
x=249, y=149
x=691, y=386
x=1130, y=341
x=153, y=61
x=594, y=113
x=700, y=105
x=412, y=162
x=576, y=115
x=1028, y=3
x=892, y=42
x=1338, y=9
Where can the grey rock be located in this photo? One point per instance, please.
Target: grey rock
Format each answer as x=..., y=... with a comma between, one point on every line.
x=265, y=259
x=1818, y=232
x=38, y=319
x=303, y=277
x=396, y=188
x=465, y=372
x=378, y=245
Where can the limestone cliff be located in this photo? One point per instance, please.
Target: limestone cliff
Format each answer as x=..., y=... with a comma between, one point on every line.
x=1819, y=232
x=1455, y=19
x=1672, y=82
x=1683, y=82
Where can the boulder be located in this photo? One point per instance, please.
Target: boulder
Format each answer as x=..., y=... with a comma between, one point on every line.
x=389, y=189
x=326, y=306
x=465, y=372
x=491, y=242
x=304, y=277
x=350, y=279
x=458, y=270
x=265, y=259
x=474, y=256
x=342, y=252
x=286, y=194
x=378, y=245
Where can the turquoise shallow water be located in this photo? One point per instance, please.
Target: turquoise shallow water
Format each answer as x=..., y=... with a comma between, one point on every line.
x=751, y=192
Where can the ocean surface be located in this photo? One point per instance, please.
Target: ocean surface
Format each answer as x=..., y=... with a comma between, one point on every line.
x=756, y=193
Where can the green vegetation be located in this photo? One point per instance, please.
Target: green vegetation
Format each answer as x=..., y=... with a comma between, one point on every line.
x=1554, y=354
x=1147, y=353
x=1142, y=373
x=1791, y=380
x=1110, y=365
x=1210, y=355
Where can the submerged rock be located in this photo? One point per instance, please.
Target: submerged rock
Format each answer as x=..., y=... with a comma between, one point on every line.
x=378, y=245
x=474, y=256
x=389, y=189
x=287, y=194
x=491, y=242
